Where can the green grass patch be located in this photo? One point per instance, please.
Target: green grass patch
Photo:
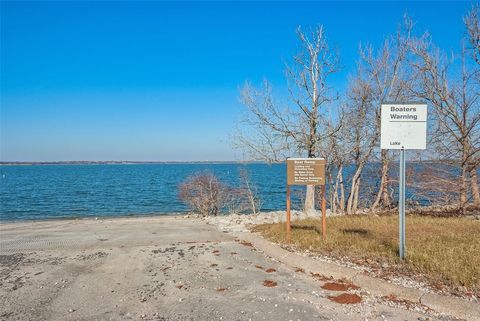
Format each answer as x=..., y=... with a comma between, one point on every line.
x=445, y=250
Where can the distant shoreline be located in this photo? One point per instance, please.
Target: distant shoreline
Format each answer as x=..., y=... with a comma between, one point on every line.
x=127, y=162
x=14, y=163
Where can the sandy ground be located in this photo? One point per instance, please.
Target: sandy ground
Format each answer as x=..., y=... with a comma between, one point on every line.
x=161, y=268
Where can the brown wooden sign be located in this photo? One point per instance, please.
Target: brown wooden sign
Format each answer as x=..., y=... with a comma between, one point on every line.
x=305, y=171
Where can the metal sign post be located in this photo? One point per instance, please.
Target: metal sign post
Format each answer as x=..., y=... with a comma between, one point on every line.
x=403, y=126
x=401, y=206
x=306, y=171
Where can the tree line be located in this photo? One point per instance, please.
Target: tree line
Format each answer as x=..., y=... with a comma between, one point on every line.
x=344, y=128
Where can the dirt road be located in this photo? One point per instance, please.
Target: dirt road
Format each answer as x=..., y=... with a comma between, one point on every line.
x=164, y=268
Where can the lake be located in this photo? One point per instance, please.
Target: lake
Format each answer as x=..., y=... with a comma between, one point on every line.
x=69, y=191
x=63, y=191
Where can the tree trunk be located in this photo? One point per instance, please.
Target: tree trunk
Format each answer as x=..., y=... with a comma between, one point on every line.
x=337, y=203
x=383, y=198
x=351, y=208
x=309, y=207
x=334, y=199
x=464, y=184
x=463, y=191
x=474, y=186
x=342, y=191
x=333, y=203
x=355, y=199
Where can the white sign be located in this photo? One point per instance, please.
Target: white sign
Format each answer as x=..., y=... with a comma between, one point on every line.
x=404, y=126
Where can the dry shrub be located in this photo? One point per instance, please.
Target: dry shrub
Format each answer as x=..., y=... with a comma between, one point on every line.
x=244, y=197
x=436, y=183
x=207, y=195
x=204, y=193
x=235, y=201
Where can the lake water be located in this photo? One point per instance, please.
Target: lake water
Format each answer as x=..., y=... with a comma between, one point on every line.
x=61, y=191
x=65, y=191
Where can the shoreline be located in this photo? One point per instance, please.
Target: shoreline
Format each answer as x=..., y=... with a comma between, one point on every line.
x=432, y=210
x=129, y=163
x=90, y=218
x=122, y=216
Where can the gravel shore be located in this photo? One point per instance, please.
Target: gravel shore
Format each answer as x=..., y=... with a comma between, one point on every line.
x=242, y=222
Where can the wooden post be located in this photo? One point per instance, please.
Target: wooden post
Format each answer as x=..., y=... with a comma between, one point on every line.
x=324, y=214
x=288, y=214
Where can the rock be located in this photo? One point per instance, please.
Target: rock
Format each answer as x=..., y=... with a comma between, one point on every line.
x=71, y=310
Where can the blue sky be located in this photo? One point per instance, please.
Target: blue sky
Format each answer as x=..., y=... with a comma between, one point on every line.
x=160, y=80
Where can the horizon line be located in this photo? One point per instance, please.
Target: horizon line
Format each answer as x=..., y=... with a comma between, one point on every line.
x=133, y=162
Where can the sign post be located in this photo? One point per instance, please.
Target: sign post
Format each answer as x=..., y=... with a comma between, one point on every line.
x=401, y=206
x=324, y=215
x=306, y=171
x=403, y=126
x=289, y=228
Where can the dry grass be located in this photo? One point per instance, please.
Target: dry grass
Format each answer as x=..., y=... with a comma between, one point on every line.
x=445, y=250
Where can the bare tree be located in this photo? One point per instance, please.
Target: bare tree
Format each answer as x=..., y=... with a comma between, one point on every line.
x=381, y=76
x=472, y=26
x=333, y=151
x=451, y=87
x=362, y=135
x=387, y=72
x=266, y=131
x=403, y=68
x=272, y=132
x=249, y=192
